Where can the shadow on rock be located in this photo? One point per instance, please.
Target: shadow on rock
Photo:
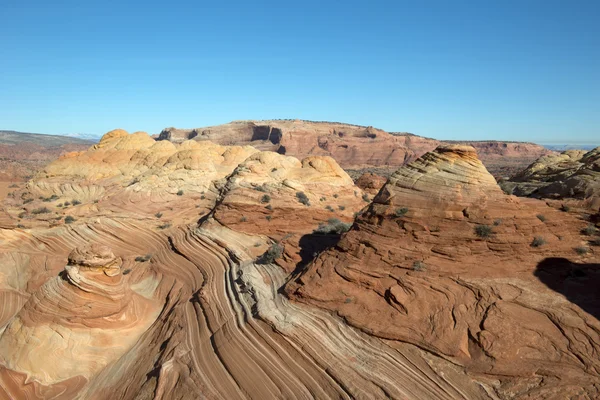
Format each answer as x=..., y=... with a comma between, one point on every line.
x=311, y=245
x=579, y=283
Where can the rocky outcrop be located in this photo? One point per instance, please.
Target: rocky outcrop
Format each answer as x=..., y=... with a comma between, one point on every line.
x=352, y=146
x=570, y=174
x=444, y=260
x=74, y=325
x=144, y=269
x=370, y=183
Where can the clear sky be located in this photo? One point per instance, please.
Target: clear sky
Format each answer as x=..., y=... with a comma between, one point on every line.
x=506, y=70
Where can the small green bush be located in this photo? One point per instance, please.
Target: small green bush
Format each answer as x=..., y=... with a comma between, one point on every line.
x=126, y=271
x=20, y=226
x=565, y=208
x=401, y=212
x=261, y=188
x=581, y=250
x=273, y=253
x=268, y=218
x=180, y=192
x=335, y=196
x=166, y=225
x=365, y=198
x=269, y=207
x=498, y=222
x=541, y=217
x=342, y=208
x=42, y=210
x=333, y=226
x=303, y=198
x=75, y=202
x=418, y=266
x=589, y=230
x=538, y=241
x=484, y=231
x=265, y=198
x=243, y=219
x=158, y=215
x=69, y=219
x=328, y=207
x=202, y=197
x=67, y=203
x=595, y=242
x=145, y=258
x=27, y=201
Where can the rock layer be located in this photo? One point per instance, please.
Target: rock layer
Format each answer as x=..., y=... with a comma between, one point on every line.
x=444, y=260
x=352, y=146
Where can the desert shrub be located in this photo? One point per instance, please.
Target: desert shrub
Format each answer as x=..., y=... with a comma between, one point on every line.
x=365, y=197
x=60, y=205
x=269, y=207
x=180, y=192
x=49, y=199
x=268, y=218
x=265, y=198
x=538, y=241
x=303, y=198
x=323, y=198
x=333, y=226
x=541, y=217
x=565, y=208
x=14, y=185
x=328, y=207
x=20, y=226
x=335, y=196
x=165, y=225
x=202, y=197
x=158, y=214
x=595, y=242
x=126, y=271
x=401, y=212
x=273, y=253
x=498, y=222
x=75, y=202
x=342, y=208
x=484, y=231
x=418, y=266
x=41, y=210
x=261, y=188
x=22, y=215
x=96, y=201
x=581, y=250
x=145, y=258
x=589, y=230
x=27, y=201
x=67, y=203
x=273, y=169
x=243, y=219
x=69, y=219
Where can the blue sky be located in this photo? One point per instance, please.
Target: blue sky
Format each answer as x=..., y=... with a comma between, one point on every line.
x=506, y=70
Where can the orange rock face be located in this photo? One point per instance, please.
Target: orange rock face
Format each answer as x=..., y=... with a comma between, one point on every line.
x=352, y=146
x=443, y=259
x=151, y=269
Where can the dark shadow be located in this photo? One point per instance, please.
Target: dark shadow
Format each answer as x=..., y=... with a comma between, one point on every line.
x=311, y=245
x=579, y=283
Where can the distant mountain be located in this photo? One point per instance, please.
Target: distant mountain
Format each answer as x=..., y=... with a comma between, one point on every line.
x=22, y=154
x=563, y=147
x=14, y=137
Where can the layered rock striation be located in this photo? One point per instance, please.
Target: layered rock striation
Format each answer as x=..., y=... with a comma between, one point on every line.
x=445, y=260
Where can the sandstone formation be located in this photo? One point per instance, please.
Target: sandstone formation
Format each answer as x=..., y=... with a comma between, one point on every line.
x=444, y=260
x=570, y=174
x=150, y=269
x=352, y=146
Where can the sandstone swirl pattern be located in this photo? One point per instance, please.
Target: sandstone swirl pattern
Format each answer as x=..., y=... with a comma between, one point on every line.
x=153, y=290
